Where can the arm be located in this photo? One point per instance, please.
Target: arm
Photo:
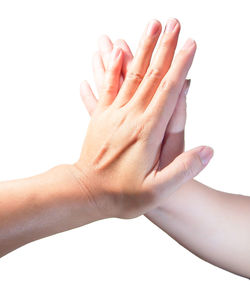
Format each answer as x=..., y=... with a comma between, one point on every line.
x=120, y=171
x=213, y=225
x=42, y=205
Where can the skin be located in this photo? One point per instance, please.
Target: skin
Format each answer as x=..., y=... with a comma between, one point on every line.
x=214, y=225
x=122, y=170
x=126, y=135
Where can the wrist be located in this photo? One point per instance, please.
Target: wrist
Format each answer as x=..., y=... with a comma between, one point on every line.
x=77, y=182
x=173, y=203
x=95, y=187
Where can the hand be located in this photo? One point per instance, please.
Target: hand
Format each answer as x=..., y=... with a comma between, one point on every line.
x=121, y=159
x=174, y=134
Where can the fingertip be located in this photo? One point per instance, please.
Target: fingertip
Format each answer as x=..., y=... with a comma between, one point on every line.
x=102, y=37
x=178, y=22
x=119, y=42
x=195, y=44
x=116, y=56
x=153, y=29
x=205, y=154
x=195, y=160
x=123, y=44
x=156, y=23
x=177, y=25
x=104, y=43
x=128, y=56
x=115, y=62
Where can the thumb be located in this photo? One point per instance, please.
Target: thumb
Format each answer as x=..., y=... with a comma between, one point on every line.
x=185, y=167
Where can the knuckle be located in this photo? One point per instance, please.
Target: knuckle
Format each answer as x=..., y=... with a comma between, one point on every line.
x=154, y=74
x=190, y=166
x=149, y=121
x=168, y=85
x=139, y=130
x=134, y=76
x=187, y=168
x=108, y=88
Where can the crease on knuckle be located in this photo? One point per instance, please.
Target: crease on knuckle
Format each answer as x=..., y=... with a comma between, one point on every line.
x=154, y=74
x=190, y=166
x=169, y=85
x=135, y=76
x=187, y=169
x=108, y=88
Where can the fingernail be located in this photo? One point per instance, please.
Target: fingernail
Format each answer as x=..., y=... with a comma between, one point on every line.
x=188, y=44
x=153, y=28
x=206, y=153
x=188, y=82
x=171, y=23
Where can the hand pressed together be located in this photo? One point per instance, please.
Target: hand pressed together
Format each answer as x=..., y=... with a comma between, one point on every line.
x=132, y=160
x=126, y=165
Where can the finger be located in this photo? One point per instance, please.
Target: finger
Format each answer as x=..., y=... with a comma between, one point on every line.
x=128, y=56
x=162, y=105
x=105, y=47
x=173, y=143
x=140, y=62
x=98, y=70
x=160, y=64
x=185, y=167
x=111, y=82
x=88, y=97
x=178, y=119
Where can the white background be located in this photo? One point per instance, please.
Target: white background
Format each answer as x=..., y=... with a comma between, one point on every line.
x=45, y=51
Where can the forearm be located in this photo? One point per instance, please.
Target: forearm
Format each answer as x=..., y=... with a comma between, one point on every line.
x=41, y=206
x=213, y=225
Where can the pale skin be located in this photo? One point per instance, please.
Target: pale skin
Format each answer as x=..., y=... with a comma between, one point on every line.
x=128, y=165
x=212, y=224
x=121, y=171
